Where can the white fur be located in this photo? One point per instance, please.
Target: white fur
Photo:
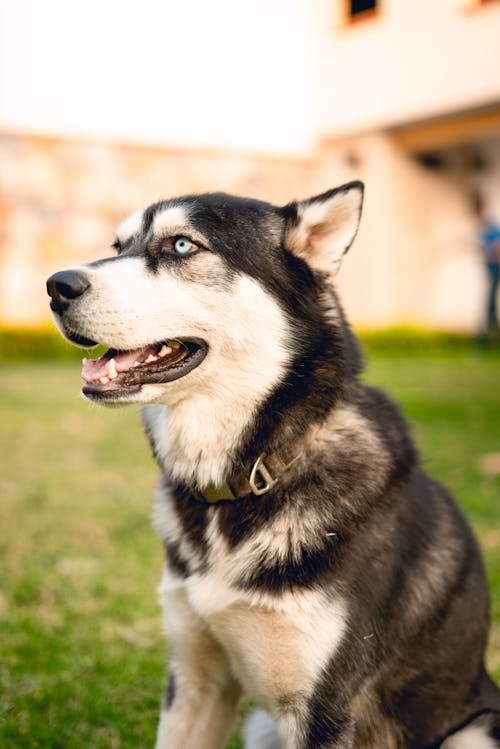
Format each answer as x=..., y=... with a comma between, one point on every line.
x=196, y=436
x=168, y=527
x=128, y=307
x=131, y=226
x=472, y=737
x=172, y=219
x=207, y=697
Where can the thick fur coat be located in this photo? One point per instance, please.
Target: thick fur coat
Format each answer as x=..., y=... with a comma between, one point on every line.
x=348, y=599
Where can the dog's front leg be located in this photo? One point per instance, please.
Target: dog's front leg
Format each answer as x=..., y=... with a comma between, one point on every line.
x=202, y=698
x=201, y=713
x=281, y=655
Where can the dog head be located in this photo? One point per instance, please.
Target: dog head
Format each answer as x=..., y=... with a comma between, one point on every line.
x=205, y=291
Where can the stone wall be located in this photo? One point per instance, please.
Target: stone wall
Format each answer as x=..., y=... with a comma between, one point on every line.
x=60, y=202
x=414, y=261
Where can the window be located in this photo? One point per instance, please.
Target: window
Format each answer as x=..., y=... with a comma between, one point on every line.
x=358, y=10
x=474, y=4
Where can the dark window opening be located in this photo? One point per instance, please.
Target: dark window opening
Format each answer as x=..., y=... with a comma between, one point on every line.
x=358, y=10
x=431, y=160
x=361, y=6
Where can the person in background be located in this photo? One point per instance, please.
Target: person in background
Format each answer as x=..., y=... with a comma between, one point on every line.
x=489, y=245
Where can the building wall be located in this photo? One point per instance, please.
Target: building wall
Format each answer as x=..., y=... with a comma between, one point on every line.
x=263, y=77
x=414, y=261
x=412, y=61
x=191, y=73
x=61, y=200
x=266, y=76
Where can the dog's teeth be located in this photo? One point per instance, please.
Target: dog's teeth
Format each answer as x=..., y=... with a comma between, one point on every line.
x=151, y=358
x=104, y=380
x=165, y=350
x=136, y=363
x=174, y=344
x=112, y=369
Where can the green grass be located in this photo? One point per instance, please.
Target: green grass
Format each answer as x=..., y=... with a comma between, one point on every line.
x=82, y=657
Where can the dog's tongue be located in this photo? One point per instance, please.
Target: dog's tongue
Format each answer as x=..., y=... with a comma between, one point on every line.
x=112, y=362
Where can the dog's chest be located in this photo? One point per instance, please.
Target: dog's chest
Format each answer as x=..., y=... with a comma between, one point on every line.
x=276, y=642
x=276, y=646
x=200, y=551
x=241, y=547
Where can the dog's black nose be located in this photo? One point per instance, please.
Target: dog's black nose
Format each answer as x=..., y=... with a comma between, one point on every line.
x=64, y=286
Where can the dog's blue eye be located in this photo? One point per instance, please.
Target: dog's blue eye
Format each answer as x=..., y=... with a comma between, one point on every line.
x=183, y=246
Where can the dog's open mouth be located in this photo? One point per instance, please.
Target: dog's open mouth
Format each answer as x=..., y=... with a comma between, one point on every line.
x=119, y=372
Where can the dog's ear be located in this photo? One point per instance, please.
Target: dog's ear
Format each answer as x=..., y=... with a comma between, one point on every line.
x=321, y=229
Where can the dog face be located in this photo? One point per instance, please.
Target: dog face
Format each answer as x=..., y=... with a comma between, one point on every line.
x=202, y=294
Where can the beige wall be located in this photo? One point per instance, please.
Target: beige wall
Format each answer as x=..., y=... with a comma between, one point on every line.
x=189, y=73
x=60, y=201
x=412, y=61
x=414, y=260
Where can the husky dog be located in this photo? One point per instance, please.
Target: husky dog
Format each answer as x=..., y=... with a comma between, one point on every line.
x=310, y=563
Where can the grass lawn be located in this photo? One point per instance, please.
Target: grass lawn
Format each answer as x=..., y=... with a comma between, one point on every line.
x=82, y=657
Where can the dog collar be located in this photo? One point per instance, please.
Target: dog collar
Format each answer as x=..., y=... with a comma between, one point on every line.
x=263, y=476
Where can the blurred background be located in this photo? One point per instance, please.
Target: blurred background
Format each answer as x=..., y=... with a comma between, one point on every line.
x=107, y=106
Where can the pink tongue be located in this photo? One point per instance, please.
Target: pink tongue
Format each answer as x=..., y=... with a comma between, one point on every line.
x=94, y=369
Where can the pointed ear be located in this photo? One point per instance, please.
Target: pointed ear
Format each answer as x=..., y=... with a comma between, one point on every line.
x=321, y=229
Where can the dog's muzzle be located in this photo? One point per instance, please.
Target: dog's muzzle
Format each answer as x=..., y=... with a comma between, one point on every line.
x=119, y=373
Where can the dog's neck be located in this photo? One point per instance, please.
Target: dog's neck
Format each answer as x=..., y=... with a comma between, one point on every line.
x=203, y=440
x=198, y=440
x=246, y=410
